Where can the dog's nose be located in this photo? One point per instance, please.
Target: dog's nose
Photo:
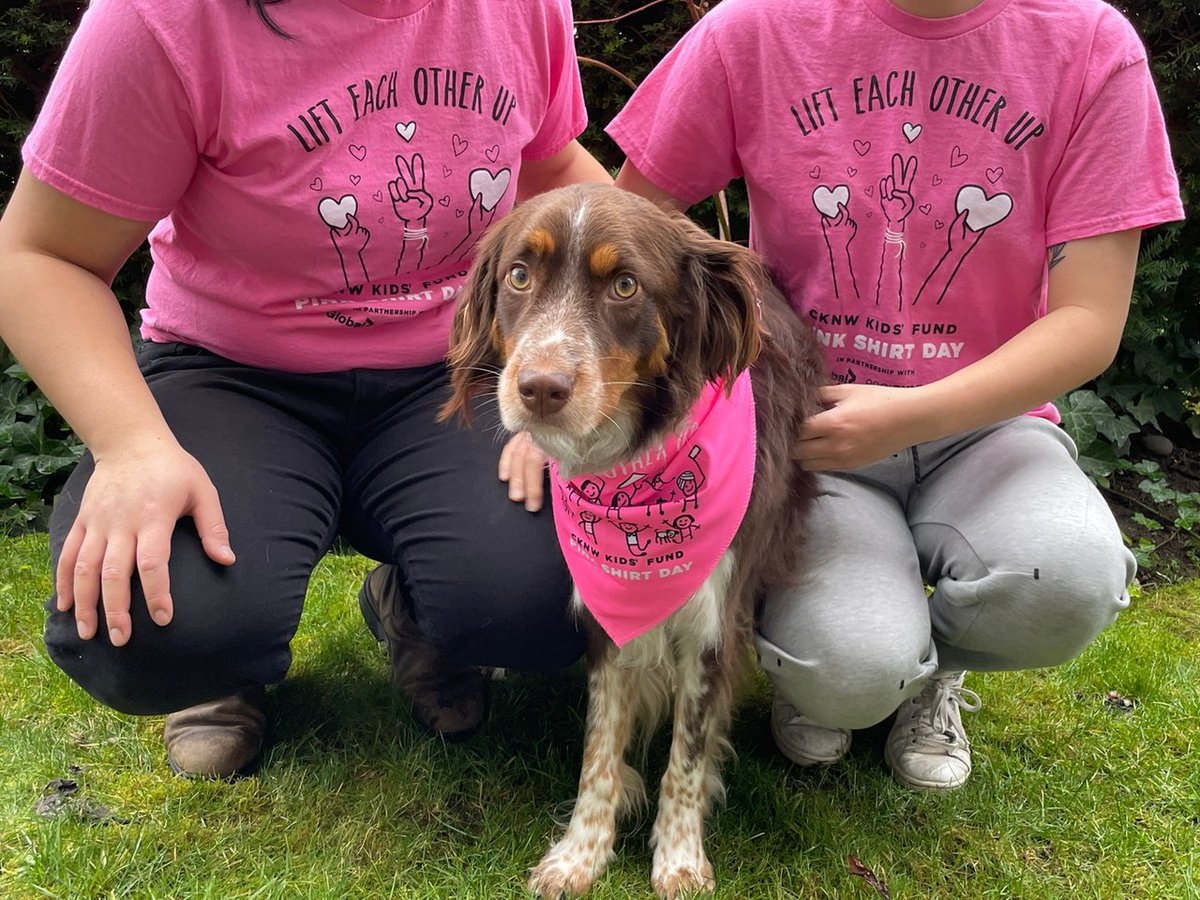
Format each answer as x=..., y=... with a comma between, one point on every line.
x=545, y=393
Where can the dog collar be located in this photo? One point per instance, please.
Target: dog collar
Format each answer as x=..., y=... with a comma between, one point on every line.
x=641, y=538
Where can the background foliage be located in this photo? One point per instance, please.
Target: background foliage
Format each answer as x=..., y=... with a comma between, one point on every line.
x=1154, y=384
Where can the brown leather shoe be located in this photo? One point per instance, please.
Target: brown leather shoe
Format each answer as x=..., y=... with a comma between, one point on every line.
x=447, y=698
x=219, y=739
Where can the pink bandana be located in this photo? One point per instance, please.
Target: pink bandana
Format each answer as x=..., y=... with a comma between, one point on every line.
x=641, y=538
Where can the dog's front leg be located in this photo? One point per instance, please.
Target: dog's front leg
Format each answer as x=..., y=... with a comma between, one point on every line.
x=574, y=863
x=692, y=779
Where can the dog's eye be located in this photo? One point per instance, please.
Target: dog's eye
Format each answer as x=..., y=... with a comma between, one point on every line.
x=519, y=278
x=625, y=286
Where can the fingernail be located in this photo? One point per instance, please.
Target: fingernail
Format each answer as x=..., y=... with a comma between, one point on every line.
x=114, y=635
x=161, y=617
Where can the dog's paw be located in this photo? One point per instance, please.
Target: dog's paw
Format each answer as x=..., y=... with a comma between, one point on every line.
x=674, y=882
x=566, y=871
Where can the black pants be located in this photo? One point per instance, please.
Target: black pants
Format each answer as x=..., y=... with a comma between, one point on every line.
x=297, y=460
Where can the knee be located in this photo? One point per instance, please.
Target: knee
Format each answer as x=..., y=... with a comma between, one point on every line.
x=516, y=619
x=853, y=684
x=1043, y=619
x=194, y=659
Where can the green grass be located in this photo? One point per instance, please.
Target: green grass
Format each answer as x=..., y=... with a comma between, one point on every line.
x=1068, y=799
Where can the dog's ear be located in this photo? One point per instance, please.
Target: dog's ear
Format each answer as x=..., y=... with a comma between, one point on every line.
x=723, y=327
x=476, y=352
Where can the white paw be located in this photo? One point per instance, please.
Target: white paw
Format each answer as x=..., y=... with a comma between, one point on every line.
x=681, y=871
x=568, y=870
x=673, y=884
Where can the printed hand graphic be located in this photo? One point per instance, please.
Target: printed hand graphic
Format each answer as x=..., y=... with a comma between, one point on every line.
x=478, y=219
x=839, y=231
x=962, y=238
x=895, y=191
x=350, y=240
x=410, y=201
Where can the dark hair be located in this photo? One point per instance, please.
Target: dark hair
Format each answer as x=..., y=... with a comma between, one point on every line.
x=260, y=7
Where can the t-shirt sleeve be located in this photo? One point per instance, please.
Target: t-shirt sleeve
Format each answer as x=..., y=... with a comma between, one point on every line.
x=678, y=128
x=566, y=113
x=1116, y=172
x=116, y=130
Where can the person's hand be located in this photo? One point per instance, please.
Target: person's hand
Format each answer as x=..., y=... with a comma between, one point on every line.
x=523, y=466
x=126, y=519
x=861, y=424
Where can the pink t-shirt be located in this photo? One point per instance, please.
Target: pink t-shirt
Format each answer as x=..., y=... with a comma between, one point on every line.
x=906, y=176
x=318, y=198
x=641, y=539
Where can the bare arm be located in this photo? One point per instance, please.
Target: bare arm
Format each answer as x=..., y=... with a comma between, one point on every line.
x=631, y=179
x=60, y=318
x=1077, y=339
x=571, y=165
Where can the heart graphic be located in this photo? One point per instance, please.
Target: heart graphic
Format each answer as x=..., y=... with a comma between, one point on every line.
x=445, y=201
x=377, y=196
x=358, y=151
x=489, y=188
x=851, y=171
x=911, y=131
x=982, y=211
x=869, y=190
x=926, y=208
x=447, y=171
x=334, y=212
x=862, y=148
x=492, y=153
x=355, y=179
x=459, y=145
x=957, y=157
x=406, y=130
x=458, y=214
x=814, y=172
x=994, y=175
x=923, y=245
x=827, y=201
x=939, y=224
x=937, y=179
x=316, y=184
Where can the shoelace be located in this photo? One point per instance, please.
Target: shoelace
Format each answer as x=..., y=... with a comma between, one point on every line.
x=943, y=724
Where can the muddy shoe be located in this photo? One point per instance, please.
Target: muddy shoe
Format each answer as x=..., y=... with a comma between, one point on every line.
x=219, y=739
x=447, y=699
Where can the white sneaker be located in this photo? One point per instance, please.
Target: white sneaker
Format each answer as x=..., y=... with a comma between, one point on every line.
x=802, y=740
x=928, y=748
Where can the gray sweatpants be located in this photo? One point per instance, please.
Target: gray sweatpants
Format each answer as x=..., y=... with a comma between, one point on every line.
x=1023, y=556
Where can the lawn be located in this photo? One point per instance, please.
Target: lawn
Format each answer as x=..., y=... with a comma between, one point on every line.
x=1075, y=793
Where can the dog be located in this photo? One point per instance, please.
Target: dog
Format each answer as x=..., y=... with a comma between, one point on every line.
x=618, y=336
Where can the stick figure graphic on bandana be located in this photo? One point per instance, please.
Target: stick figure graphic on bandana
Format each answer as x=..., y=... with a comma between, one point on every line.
x=587, y=521
x=685, y=526
x=688, y=483
x=632, y=530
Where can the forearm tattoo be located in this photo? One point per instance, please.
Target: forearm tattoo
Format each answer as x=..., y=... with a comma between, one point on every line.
x=1057, y=254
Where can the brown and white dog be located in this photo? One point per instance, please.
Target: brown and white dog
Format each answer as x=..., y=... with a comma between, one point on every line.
x=600, y=319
